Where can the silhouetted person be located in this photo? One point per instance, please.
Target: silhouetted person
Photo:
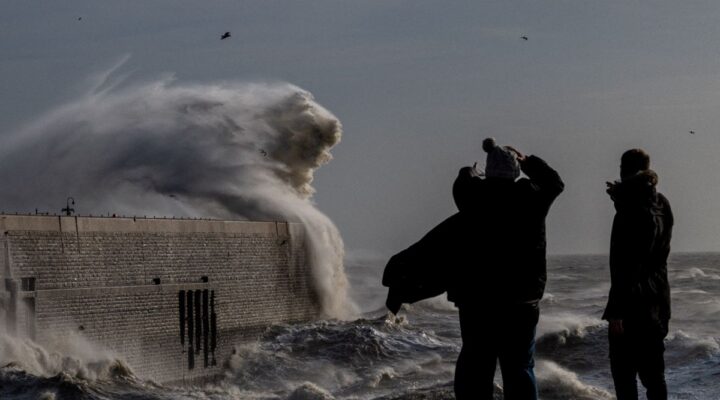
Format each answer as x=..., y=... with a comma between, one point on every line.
x=638, y=308
x=497, y=290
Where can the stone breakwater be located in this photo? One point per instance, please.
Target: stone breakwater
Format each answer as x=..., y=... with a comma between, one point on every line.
x=170, y=297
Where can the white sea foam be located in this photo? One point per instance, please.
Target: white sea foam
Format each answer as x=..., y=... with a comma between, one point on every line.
x=310, y=391
x=47, y=396
x=566, y=324
x=689, y=291
x=383, y=375
x=70, y=354
x=691, y=346
x=439, y=303
x=548, y=298
x=558, y=383
x=697, y=273
x=227, y=150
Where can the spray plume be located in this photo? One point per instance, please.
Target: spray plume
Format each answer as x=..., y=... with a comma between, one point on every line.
x=231, y=150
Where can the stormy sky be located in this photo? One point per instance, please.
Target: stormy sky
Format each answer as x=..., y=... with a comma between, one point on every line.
x=417, y=86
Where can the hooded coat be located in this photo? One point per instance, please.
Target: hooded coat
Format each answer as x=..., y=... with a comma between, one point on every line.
x=639, y=249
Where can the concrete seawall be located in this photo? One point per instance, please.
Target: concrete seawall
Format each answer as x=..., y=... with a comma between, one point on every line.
x=171, y=297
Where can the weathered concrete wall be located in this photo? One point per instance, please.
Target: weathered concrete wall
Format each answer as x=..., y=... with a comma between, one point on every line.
x=150, y=289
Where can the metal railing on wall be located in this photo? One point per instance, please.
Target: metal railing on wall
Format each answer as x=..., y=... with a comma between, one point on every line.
x=133, y=217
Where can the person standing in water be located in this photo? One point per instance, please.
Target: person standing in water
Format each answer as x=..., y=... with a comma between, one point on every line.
x=638, y=308
x=498, y=289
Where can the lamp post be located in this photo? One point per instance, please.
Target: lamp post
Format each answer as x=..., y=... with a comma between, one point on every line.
x=67, y=210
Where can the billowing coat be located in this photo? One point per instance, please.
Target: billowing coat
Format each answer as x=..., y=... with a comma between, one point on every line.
x=639, y=249
x=422, y=270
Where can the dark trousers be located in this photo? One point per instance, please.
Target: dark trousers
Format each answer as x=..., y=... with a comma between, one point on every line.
x=638, y=352
x=506, y=334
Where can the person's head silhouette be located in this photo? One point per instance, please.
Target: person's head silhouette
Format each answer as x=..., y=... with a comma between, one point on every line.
x=633, y=161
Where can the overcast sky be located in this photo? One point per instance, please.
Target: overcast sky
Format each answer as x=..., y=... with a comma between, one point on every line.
x=417, y=86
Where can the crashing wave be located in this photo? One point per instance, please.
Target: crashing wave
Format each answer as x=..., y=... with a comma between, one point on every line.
x=230, y=150
x=557, y=383
x=71, y=356
x=682, y=347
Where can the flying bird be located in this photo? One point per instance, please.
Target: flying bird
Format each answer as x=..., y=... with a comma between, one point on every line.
x=225, y=36
x=79, y=18
x=692, y=132
x=263, y=152
x=524, y=37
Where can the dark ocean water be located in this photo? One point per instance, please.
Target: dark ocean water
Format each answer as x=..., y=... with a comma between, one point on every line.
x=413, y=356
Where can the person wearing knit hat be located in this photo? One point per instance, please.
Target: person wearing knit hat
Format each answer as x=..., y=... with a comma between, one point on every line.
x=501, y=162
x=498, y=278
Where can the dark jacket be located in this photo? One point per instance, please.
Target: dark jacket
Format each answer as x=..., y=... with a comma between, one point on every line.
x=504, y=236
x=639, y=249
x=421, y=271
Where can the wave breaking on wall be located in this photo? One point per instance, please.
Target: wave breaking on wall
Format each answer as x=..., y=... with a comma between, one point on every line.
x=231, y=150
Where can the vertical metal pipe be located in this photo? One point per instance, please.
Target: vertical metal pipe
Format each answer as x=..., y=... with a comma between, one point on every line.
x=206, y=325
x=213, y=327
x=181, y=311
x=191, y=358
x=190, y=323
x=198, y=320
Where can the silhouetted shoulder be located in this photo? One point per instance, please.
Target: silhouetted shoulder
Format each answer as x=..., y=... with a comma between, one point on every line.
x=467, y=189
x=664, y=205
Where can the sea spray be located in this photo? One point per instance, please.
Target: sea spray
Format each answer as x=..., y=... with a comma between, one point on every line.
x=682, y=347
x=67, y=354
x=558, y=383
x=310, y=391
x=565, y=325
x=230, y=150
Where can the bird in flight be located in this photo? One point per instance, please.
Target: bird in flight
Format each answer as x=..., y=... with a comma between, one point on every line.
x=692, y=132
x=524, y=37
x=225, y=36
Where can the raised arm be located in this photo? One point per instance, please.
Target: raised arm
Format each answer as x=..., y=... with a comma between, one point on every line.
x=546, y=180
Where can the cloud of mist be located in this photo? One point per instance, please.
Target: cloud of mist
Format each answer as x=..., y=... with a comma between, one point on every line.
x=230, y=150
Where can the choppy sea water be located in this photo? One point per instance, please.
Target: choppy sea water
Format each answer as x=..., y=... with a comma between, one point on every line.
x=412, y=356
